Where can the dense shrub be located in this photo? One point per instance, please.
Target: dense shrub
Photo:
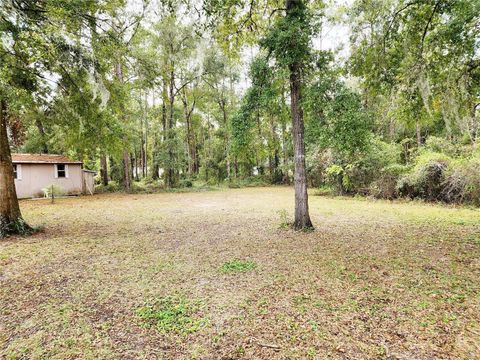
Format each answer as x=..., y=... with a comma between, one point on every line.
x=440, y=145
x=462, y=183
x=337, y=179
x=113, y=186
x=356, y=174
x=146, y=187
x=426, y=179
x=441, y=171
x=385, y=186
x=186, y=183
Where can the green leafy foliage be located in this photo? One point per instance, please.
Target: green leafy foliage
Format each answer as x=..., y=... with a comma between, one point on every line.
x=172, y=314
x=289, y=39
x=237, y=266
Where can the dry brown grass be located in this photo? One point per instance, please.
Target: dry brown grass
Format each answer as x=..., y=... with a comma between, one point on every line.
x=374, y=280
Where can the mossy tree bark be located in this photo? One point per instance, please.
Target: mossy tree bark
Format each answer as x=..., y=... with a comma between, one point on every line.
x=11, y=221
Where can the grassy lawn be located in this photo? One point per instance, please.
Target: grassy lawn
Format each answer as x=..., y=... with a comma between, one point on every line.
x=214, y=275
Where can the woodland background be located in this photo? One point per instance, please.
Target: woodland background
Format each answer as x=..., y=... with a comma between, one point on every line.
x=153, y=94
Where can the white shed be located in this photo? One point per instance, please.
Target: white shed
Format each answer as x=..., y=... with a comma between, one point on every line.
x=35, y=172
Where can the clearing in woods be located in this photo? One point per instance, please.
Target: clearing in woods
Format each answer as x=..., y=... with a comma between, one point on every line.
x=214, y=275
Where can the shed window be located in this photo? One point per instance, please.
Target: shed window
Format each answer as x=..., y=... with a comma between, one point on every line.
x=17, y=171
x=61, y=171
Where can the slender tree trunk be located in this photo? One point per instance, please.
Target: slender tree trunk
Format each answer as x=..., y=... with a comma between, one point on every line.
x=235, y=167
x=155, y=166
x=135, y=164
x=474, y=127
x=191, y=146
x=142, y=157
x=145, y=151
x=171, y=171
x=127, y=182
x=273, y=157
x=164, y=109
x=225, y=138
x=11, y=221
x=302, y=216
x=43, y=136
x=418, y=132
x=133, y=171
x=104, y=169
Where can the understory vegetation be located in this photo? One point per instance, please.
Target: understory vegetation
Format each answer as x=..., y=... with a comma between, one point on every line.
x=438, y=171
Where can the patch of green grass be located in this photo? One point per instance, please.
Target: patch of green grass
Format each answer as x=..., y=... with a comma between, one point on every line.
x=172, y=314
x=236, y=266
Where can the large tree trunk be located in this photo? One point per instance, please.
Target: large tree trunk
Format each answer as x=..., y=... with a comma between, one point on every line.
x=302, y=216
x=11, y=221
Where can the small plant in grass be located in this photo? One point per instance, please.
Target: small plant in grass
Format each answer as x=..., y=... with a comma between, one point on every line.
x=284, y=222
x=237, y=266
x=172, y=314
x=52, y=191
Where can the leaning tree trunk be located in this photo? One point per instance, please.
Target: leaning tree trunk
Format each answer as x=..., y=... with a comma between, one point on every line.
x=11, y=221
x=302, y=216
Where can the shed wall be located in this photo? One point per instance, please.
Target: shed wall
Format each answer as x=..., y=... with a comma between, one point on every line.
x=36, y=177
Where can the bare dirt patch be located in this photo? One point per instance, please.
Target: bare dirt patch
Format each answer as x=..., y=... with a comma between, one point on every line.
x=374, y=280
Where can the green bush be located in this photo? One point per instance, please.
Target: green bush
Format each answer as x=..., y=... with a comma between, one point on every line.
x=385, y=187
x=113, y=186
x=337, y=179
x=148, y=187
x=186, y=183
x=356, y=175
x=426, y=179
x=462, y=183
x=441, y=171
x=440, y=145
x=234, y=185
x=254, y=181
